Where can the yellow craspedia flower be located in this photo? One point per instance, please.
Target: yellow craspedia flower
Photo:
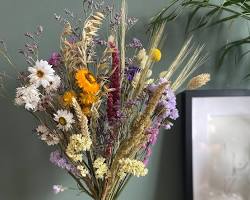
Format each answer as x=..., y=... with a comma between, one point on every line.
x=86, y=81
x=87, y=99
x=155, y=55
x=67, y=97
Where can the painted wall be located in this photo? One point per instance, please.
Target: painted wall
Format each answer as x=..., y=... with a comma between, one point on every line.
x=25, y=172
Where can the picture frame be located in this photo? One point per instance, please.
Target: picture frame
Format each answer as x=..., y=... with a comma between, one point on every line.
x=215, y=157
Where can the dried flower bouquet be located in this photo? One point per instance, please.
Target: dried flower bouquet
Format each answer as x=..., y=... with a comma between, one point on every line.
x=95, y=99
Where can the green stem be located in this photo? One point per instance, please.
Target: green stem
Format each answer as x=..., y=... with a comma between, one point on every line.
x=81, y=185
x=90, y=162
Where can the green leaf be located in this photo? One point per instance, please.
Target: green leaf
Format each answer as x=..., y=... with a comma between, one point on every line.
x=246, y=77
x=230, y=46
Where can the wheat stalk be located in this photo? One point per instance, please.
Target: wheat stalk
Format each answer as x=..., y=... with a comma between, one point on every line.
x=82, y=119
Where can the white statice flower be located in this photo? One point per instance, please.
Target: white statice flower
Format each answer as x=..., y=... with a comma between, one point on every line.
x=41, y=74
x=41, y=129
x=64, y=119
x=51, y=138
x=28, y=96
x=58, y=188
x=54, y=85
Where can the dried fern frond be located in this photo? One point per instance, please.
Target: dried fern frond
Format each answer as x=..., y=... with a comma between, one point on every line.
x=198, y=81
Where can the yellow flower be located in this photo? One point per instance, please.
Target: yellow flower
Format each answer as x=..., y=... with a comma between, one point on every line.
x=101, y=167
x=86, y=80
x=67, y=97
x=134, y=167
x=83, y=171
x=87, y=99
x=77, y=144
x=155, y=55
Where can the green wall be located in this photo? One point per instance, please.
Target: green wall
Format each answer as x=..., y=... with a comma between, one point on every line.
x=25, y=172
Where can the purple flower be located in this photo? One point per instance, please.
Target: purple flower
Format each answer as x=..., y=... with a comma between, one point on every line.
x=57, y=159
x=72, y=39
x=135, y=44
x=100, y=42
x=153, y=135
x=55, y=59
x=166, y=107
x=129, y=61
x=131, y=71
x=152, y=87
x=116, y=20
x=132, y=21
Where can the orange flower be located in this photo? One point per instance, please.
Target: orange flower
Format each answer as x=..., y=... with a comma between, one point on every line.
x=86, y=111
x=87, y=99
x=67, y=97
x=86, y=80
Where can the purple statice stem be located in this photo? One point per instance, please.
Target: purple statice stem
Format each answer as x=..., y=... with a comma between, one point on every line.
x=135, y=44
x=57, y=159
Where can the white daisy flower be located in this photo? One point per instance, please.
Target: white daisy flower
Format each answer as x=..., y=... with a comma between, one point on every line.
x=41, y=74
x=47, y=136
x=54, y=84
x=28, y=96
x=64, y=119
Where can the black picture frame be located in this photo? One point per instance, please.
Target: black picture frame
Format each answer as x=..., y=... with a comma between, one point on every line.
x=185, y=101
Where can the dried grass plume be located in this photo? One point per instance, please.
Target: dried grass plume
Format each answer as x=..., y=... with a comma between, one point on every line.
x=198, y=81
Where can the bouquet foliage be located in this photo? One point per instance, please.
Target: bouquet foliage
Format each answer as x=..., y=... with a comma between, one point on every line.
x=95, y=99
